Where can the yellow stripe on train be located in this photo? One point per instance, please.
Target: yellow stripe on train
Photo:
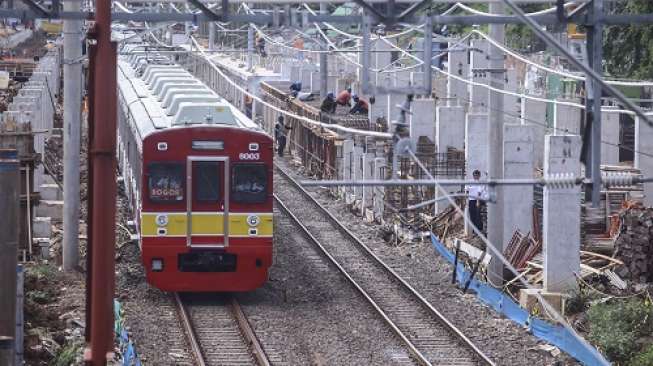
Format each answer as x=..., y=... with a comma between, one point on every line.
x=205, y=224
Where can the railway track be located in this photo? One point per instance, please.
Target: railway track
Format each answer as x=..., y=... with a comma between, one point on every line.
x=218, y=331
x=430, y=337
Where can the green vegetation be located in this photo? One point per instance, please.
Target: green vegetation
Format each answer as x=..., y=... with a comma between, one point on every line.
x=643, y=359
x=628, y=50
x=616, y=328
x=67, y=355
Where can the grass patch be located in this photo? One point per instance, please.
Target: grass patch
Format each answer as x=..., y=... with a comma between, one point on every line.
x=616, y=327
x=67, y=355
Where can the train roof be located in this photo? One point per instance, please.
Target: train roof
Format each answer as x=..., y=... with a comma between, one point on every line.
x=173, y=98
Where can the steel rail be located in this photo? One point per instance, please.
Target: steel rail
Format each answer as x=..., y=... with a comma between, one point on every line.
x=249, y=339
x=189, y=330
x=420, y=358
x=422, y=301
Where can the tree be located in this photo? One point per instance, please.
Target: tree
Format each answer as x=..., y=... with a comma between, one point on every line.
x=628, y=50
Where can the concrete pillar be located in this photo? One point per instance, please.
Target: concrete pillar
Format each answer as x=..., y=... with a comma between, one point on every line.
x=422, y=121
x=534, y=114
x=379, y=192
x=458, y=65
x=368, y=174
x=306, y=79
x=643, y=138
x=476, y=129
x=402, y=79
x=561, y=231
x=610, y=138
x=510, y=104
x=450, y=128
x=332, y=84
x=479, y=60
x=347, y=163
x=517, y=163
x=566, y=120
x=357, y=168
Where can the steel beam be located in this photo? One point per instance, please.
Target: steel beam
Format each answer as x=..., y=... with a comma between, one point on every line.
x=620, y=19
x=593, y=103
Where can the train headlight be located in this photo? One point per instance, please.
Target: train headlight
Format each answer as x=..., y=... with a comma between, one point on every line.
x=157, y=264
x=253, y=220
x=162, y=220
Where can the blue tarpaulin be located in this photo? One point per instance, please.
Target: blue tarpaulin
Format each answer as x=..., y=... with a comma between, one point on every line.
x=557, y=335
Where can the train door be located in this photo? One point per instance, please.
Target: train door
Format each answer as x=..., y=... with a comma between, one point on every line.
x=207, y=211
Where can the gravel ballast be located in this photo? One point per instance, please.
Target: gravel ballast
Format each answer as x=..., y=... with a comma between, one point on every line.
x=418, y=263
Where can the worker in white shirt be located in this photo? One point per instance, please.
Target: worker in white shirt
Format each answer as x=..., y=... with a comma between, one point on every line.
x=476, y=193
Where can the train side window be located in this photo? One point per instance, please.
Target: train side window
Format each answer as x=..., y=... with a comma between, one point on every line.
x=206, y=181
x=249, y=183
x=165, y=182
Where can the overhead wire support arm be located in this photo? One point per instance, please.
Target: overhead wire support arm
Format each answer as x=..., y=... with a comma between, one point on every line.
x=413, y=9
x=548, y=39
x=206, y=11
x=37, y=8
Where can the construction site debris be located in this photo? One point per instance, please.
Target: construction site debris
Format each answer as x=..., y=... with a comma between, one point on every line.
x=634, y=244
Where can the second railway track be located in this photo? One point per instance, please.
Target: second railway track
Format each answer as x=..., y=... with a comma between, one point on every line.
x=430, y=337
x=218, y=331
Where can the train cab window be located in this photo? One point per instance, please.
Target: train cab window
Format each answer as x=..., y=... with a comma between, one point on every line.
x=206, y=181
x=166, y=182
x=249, y=183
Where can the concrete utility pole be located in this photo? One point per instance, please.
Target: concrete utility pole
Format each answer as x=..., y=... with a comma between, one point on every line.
x=9, y=201
x=72, y=73
x=495, y=145
x=324, y=69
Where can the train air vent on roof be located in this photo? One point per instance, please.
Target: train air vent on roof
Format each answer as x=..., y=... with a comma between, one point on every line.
x=161, y=83
x=169, y=94
x=169, y=89
x=152, y=75
x=181, y=98
x=204, y=113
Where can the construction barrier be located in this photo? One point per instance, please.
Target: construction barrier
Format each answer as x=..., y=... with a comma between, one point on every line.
x=128, y=354
x=555, y=334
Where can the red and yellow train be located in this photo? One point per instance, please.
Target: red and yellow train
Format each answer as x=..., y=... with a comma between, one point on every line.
x=198, y=175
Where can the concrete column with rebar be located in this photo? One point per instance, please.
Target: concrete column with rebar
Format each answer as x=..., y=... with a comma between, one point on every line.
x=561, y=215
x=517, y=163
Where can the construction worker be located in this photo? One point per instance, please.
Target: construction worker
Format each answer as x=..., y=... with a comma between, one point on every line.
x=280, y=131
x=260, y=45
x=329, y=104
x=298, y=43
x=344, y=98
x=360, y=106
x=476, y=195
x=249, y=102
x=295, y=88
